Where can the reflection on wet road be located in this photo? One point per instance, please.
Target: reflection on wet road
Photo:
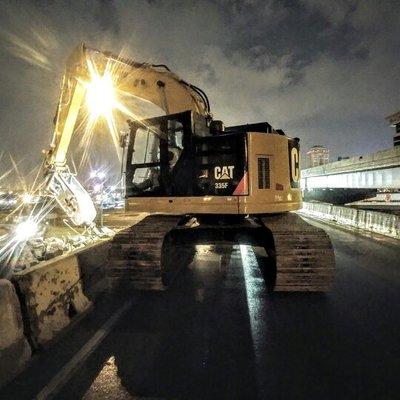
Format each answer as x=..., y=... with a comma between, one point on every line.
x=219, y=335
x=193, y=342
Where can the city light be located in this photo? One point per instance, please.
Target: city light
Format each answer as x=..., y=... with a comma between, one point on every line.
x=27, y=198
x=25, y=230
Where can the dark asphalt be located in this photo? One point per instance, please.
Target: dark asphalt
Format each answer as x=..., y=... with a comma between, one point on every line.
x=225, y=338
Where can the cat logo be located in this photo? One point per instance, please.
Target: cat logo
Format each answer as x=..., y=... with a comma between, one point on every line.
x=294, y=164
x=224, y=172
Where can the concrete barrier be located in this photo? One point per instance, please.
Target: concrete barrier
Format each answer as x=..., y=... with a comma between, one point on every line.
x=54, y=292
x=14, y=348
x=371, y=221
x=92, y=263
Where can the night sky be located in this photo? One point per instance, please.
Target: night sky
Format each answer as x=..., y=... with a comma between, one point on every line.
x=325, y=71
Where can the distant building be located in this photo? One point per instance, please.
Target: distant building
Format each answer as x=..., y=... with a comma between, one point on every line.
x=317, y=155
x=394, y=121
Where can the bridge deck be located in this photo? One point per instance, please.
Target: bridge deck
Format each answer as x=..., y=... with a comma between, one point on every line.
x=380, y=170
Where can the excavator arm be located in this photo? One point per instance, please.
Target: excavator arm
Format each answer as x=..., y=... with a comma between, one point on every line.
x=153, y=83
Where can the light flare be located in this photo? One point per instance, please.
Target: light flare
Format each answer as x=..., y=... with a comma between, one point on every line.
x=26, y=230
x=13, y=243
x=102, y=102
x=27, y=198
x=100, y=95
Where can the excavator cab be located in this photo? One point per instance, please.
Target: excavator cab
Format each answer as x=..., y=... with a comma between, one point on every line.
x=183, y=155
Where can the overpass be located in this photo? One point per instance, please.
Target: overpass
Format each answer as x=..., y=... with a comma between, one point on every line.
x=380, y=170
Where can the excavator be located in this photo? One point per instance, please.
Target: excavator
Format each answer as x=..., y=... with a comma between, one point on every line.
x=199, y=181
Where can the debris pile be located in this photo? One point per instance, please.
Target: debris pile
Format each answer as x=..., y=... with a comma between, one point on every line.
x=40, y=248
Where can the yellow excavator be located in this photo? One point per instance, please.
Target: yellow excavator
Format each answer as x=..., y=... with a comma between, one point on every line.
x=201, y=182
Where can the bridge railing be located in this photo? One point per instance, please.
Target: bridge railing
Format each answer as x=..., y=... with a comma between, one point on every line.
x=372, y=221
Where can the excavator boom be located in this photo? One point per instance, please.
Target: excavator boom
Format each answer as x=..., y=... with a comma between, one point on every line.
x=153, y=83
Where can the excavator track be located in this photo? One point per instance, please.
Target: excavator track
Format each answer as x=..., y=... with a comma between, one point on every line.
x=135, y=253
x=305, y=259
x=302, y=254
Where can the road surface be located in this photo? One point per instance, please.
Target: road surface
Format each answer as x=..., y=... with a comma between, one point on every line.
x=219, y=335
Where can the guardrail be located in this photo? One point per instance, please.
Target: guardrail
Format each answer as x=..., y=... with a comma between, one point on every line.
x=371, y=221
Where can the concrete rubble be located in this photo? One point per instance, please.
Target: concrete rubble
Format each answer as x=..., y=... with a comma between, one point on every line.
x=42, y=248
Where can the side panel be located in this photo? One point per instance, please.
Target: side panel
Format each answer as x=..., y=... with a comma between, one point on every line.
x=220, y=165
x=273, y=175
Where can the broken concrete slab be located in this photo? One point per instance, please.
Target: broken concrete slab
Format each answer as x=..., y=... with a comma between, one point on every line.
x=14, y=348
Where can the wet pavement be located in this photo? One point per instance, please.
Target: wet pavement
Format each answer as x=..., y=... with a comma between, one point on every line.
x=219, y=335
